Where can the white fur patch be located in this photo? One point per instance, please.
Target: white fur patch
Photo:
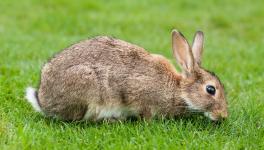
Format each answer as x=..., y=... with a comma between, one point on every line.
x=32, y=99
x=209, y=115
x=109, y=112
x=105, y=112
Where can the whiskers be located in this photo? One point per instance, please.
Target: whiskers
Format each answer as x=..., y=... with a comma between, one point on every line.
x=194, y=111
x=188, y=109
x=181, y=107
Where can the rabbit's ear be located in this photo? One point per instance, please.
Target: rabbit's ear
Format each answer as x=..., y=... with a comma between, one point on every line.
x=197, y=46
x=182, y=52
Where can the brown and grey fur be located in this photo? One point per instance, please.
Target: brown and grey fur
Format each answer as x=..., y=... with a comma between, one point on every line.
x=106, y=78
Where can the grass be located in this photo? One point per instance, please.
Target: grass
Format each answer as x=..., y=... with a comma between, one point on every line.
x=31, y=31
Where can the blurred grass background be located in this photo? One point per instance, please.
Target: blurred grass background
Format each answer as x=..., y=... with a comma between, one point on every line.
x=31, y=31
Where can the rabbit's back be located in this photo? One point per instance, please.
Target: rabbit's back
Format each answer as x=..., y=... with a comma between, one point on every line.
x=101, y=72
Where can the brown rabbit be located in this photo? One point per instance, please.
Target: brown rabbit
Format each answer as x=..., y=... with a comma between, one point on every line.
x=106, y=78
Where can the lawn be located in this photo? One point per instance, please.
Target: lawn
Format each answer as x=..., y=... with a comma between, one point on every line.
x=31, y=31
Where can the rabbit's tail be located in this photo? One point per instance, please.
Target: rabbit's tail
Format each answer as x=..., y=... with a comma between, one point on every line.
x=32, y=98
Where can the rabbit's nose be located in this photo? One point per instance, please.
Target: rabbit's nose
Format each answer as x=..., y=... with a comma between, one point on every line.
x=221, y=116
x=224, y=114
x=217, y=115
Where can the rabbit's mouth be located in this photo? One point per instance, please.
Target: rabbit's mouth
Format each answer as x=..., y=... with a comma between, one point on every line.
x=215, y=116
x=210, y=116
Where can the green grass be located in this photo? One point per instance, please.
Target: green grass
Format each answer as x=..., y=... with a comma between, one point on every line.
x=31, y=31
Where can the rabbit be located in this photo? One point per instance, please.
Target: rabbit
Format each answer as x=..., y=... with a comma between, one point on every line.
x=109, y=79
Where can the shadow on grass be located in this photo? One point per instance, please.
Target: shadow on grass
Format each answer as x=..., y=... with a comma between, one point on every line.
x=197, y=121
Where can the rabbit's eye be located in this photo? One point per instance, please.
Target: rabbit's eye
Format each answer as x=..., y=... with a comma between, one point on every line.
x=210, y=89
